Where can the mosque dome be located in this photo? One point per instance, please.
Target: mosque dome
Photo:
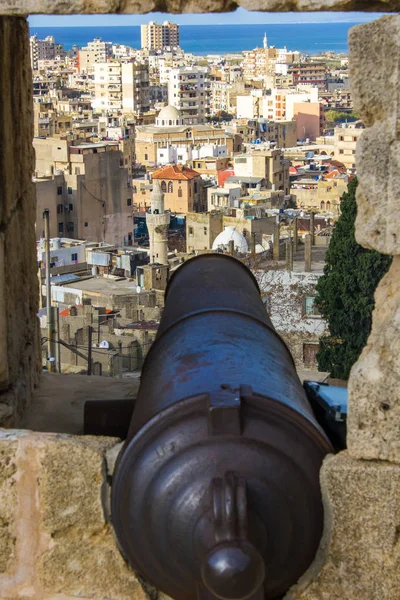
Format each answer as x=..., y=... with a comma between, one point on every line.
x=169, y=116
x=230, y=233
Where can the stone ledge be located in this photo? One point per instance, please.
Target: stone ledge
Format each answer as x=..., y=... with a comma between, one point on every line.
x=373, y=425
x=54, y=539
x=15, y=8
x=360, y=551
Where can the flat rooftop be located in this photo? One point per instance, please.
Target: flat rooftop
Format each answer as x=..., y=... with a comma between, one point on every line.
x=103, y=286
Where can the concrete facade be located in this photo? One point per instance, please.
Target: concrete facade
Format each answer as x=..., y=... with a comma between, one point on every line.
x=87, y=190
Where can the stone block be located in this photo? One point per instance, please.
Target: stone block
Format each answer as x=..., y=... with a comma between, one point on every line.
x=11, y=7
x=360, y=551
x=71, y=483
x=374, y=51
x=374, y=386
x=18, y=328
x=374, y=74
x=8, y=448
x=83, y=558
x=88, y=566
x=378, y=192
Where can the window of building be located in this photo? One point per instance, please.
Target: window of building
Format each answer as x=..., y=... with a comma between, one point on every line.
x=190, y=230
x=163, y=186
x=86, y=224
x=60, y=209
x=74, y=256
x=205, y=230
x=61, y=228
x=341, y=151
x=180, y=156
x=77, y=171
x=310, y=355
x=70, y=190
x=134, y=189
x=59, y=190
x=328, y=205
x=179, y=192
x=341, y=138
x=266, y=298
x=70, y=207
x=129, y=201
x=170, y=187
x=309, y=307
x=146, y=157
x=322, y=205
x=190, y=192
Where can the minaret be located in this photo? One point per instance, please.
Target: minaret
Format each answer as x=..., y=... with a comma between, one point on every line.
x=157, y=222
x=265, y=40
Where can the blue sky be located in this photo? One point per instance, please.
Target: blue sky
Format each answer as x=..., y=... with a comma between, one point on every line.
x=240, y=16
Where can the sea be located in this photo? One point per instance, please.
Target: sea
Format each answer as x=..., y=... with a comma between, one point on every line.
x=308, y=38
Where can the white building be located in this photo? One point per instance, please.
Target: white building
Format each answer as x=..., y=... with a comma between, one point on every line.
x=95, y=52
x=176, y=154
x=158, y=36
x=63, y=252
x=223, y=197
x=121, y=87
x=188, y=91
x=42, y=49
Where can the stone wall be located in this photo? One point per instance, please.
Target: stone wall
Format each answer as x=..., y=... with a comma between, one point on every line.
x=26, y=7
x=359, y=557
x=18, y=280
x=55, y=542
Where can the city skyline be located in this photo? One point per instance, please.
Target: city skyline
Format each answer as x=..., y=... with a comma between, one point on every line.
x=239, y=17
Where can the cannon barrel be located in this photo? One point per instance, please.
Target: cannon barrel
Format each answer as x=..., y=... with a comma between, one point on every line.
x=216, y=490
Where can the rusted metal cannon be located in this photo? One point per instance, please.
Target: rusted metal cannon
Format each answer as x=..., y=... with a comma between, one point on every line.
x=216, y=491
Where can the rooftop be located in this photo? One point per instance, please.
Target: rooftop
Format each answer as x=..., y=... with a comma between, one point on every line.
x=178, y=172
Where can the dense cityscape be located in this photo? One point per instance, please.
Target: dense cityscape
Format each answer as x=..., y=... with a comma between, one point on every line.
x=148, y=157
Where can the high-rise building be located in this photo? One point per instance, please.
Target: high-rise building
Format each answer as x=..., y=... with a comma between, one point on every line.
x=95, y=52
x=157, y=221
x=157, y=36
x=42, y=49
x=189, y=92
x=121, y=87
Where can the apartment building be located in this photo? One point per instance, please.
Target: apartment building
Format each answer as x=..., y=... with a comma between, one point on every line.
x=345, y=142
x=281, y=133
x=308, y=73
x=261, y=62
x=87, y=189
x=41, y=50
x=159, y=36
x=95, y=52
x=269, y=166
x=121, y=87
x=189, y=92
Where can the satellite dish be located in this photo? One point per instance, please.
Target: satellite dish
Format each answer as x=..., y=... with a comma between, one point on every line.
x=104, y=344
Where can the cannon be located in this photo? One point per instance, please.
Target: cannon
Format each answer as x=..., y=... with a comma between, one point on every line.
x=216, y=490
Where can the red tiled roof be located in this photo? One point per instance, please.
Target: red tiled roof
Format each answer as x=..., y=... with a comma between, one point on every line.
x=179, y=172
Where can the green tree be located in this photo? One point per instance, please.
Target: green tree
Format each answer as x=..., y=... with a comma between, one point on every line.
x=345, y=293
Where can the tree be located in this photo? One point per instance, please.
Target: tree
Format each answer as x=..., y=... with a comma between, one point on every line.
x=345, y=293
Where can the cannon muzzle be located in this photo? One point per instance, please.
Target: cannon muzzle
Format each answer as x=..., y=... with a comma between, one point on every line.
x=216, y=491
